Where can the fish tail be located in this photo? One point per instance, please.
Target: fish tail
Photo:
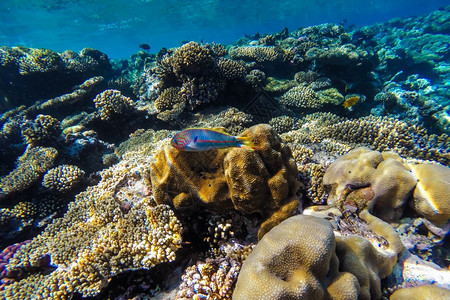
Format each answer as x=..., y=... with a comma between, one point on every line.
x=246, y=143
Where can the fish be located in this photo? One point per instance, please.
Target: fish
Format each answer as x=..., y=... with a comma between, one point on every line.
x=203, y=139
x=145, y=46
x=348, y=87
x=351, y=101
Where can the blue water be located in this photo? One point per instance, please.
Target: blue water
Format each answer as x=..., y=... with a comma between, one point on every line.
x=117, y=27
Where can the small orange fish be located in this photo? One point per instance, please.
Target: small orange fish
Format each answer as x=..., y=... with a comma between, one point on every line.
x=351, y=101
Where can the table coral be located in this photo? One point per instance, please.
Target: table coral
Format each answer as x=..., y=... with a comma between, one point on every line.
x=110, y=228
x=257, y=53
x=34, y=162
x=63, y=178
x=263, y=181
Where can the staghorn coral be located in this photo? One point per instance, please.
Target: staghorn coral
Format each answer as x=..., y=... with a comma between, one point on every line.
x=63, y=178
x=34, y=162
x=42, y=130
x=303, y=258
x=212, y=279
x=110, y=228
x=301, y=96
x=111, y=103
x=259, y=54
x=263, y=181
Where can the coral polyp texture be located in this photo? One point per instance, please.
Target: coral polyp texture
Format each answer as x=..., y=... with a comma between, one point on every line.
x=302, y=258
x=29, y=167
x=42, y=130
x=111, y=104
x=263, y=181
x=110, y=228
x=63, y=178
x=384, y=182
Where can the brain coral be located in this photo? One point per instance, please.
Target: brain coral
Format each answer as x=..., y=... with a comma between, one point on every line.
x=384, y=182
x=302, y=259
x=110, y=228
x=263, y=181
x=111, y=103
x=63, y=178
x=379, y=179
x=34, y=162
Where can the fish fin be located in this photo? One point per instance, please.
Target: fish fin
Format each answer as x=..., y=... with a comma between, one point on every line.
x=246, y=143
x=220, y=129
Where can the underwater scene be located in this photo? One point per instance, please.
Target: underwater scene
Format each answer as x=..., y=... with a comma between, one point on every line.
x=224, y=149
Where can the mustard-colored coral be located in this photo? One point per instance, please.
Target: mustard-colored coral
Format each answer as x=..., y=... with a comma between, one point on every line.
x=34, y=162
x=302, y=258
x=63, y=178
x=263, y=181
x=424, y=292
x=192, y=59
x=301, y=96
x=170, y=104
x=231, y=69
x=43, y=129
x=432, y=191
x=111, y=103
x=110, y=228
x=257, y=53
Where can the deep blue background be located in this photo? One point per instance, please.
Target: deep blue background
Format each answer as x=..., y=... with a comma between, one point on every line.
x=117, y=27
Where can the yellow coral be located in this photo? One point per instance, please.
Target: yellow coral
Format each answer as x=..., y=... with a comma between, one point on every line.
x=250, y=181
x=424, y=292
x=111, y=103
x=63, y=178
x=34, y=162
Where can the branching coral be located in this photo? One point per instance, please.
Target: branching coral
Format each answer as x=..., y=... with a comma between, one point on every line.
x=301, y=96
x=34, y=162
x=257, y=53
x=108, y=229
x=63, y=178
x=111, y=103
x=42, y=130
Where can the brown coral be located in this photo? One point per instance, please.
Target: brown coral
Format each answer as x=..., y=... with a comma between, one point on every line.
x=301, y=96
x=231, y=70
x=34, y=162
x=43, y=129
x=192, y=59
x=258, y=54
x=63, y=178
x=111, y=103
x=263, y=181
x=110, y=228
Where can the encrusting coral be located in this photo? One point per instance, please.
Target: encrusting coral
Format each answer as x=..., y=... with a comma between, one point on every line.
x=110, y=228
x=301, y=258
x=63, y=178
x=263, y=181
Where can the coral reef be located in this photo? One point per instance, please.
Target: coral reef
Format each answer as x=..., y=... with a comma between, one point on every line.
x=108, y=229
x=63, y=178
x=42, y=130
x=263, y=181
x=302, y=257
x=111, y=103
x=383, y=182
x=421, y=293
x=213, y=279
x=34, y=162
x=258, y=53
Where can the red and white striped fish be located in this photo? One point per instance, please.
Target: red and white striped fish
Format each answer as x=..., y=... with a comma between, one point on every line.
x=202, y=139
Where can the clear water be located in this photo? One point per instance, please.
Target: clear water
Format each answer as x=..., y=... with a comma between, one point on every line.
x=117, y=27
